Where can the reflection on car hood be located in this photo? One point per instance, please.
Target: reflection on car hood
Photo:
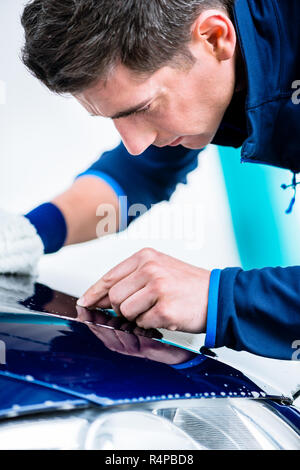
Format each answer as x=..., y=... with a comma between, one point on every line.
x=63, y=356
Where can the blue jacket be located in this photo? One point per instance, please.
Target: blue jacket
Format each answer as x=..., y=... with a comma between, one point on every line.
x=256, y=311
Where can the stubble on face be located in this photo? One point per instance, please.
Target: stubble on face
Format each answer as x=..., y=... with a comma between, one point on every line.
x=183, y=104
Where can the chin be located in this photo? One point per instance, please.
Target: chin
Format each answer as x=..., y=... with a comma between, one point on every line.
x=196, y=142
x=193, y=147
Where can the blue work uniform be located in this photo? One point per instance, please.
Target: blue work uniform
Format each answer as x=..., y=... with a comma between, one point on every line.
x=259, y=310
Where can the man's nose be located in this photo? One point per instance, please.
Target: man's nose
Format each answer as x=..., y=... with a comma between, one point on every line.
x=136, y=138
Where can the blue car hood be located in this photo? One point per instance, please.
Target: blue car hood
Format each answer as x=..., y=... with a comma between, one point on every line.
x=89, y=358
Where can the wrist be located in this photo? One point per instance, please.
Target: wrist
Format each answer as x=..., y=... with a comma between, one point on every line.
x=199, y=291
x=212, y=308
x=50, y=225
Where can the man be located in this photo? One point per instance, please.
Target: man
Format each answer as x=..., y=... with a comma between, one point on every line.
x=174, y=75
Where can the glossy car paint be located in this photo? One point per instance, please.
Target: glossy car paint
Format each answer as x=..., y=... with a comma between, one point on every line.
x=61, y=356
x=73, y=357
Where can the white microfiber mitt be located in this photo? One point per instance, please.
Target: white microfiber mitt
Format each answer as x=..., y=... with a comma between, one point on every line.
x=20, y=245
x=15, y=289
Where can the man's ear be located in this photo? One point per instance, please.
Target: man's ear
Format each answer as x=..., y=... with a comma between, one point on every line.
x=216, y=32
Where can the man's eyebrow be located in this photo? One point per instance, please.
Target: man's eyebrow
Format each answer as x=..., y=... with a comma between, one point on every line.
x=128, y=112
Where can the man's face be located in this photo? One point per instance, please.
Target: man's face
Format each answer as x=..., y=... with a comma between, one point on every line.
x=174, y=106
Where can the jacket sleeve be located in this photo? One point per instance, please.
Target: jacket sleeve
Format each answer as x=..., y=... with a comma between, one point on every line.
x=259, y=311
x=146, y=179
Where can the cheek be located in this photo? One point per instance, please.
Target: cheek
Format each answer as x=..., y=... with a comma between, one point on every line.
x=177, y=121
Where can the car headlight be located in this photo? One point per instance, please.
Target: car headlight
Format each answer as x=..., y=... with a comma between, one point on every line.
x=182, y=425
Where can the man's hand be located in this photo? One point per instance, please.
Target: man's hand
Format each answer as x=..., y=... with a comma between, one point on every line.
x=20, y=245
x=156, y=291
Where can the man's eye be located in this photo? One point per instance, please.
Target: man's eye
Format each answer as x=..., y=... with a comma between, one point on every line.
x=141, y=111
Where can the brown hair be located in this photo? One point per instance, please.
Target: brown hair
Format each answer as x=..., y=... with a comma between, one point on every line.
x=69, y=44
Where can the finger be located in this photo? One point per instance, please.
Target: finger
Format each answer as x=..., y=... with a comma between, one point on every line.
x=125, y=288
x=152, y=319
x=103, y=303
x=101, y=288
x=83, y=314
x=138, y=303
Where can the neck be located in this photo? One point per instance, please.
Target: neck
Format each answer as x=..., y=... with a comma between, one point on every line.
x=240, y=68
